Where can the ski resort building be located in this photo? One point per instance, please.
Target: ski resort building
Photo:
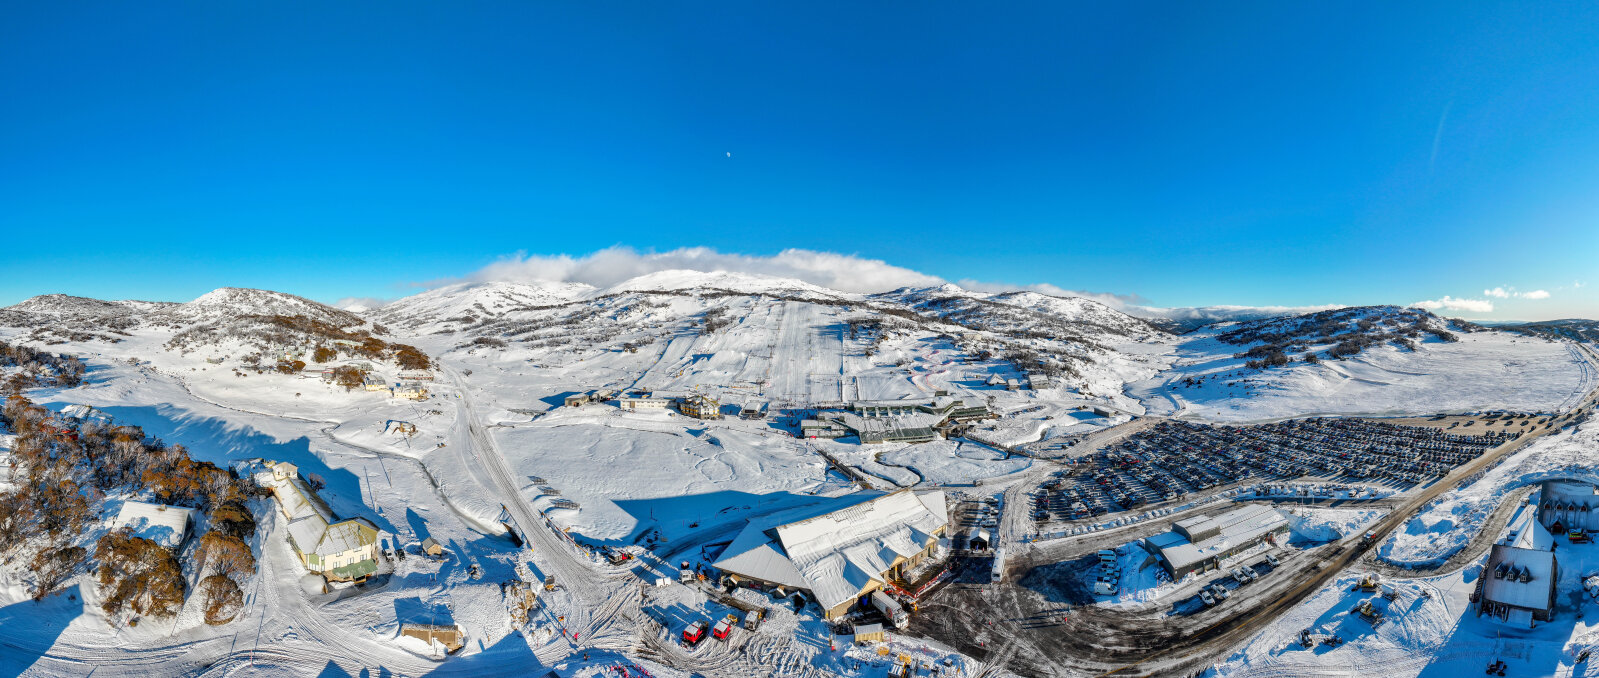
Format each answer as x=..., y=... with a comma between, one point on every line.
x=1197, y=544
x=635, y=404
x=1567, y=505
x=165, y=525
x=818, y=428
x=1517, y=586
x=899, y=421
x=700, y=407
x=374, y=382
x=840, y=549
x=411, y=390
x=340, y=550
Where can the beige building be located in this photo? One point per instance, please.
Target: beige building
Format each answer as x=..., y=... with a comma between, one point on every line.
x=340, y=550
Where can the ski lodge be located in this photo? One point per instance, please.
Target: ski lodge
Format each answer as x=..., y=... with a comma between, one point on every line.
x=1518, y=584
x=162, y=524
x=1197, y=544
x=340, y=550
x=1567, y=505
x=838, y=550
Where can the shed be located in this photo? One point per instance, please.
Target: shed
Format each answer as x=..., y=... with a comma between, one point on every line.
x=870, y=633
x=432, y=547
x=451, y=637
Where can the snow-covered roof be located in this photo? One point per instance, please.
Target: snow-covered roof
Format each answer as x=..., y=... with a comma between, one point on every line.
x=307, y=532
x=836, y=551
x=1238, y=526
x=298, y=501
x=1525, y=532
x=1534, y=594
x=162, y=524
x=347, y=535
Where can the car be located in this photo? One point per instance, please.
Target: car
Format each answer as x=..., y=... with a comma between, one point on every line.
x=1207, y=599
x=1219, y=591
x=1273, y=560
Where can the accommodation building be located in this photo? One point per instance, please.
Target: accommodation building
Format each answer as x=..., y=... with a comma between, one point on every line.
x=373, y=382
x=1196, y=544
x=340, y=550
x=1565, y=505
x=839, y=549
x=700, y=407
x=636, y=404
x=165, y=525
x=411, y=390
x=1517, y=586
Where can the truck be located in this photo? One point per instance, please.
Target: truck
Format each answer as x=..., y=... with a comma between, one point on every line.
x=998, y=573
x=891, y=609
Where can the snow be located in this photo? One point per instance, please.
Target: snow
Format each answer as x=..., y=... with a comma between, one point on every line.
x=1482, y=371
x=1451, y=522
x=675, y=483
x=1319, y=525
x=1435, y=636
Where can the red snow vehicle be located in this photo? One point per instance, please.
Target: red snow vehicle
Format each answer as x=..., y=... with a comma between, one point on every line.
x=723, y=628
x=694, y=634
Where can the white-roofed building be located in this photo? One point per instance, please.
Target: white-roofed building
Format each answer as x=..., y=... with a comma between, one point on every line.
x=341, y=550
x=841, y=549
x=1517, y=586
x=1197, y=543
x=165, y=525
x=1566, y=505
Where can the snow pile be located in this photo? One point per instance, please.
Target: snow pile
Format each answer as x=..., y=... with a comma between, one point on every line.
x=1315, y=525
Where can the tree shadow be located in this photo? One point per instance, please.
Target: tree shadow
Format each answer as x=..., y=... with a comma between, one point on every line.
x=223, y=442
x=30, y=629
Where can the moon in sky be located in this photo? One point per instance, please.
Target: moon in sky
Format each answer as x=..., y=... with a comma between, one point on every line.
x=729, y=154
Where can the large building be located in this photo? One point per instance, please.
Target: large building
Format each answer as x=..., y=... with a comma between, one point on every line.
x=1518, y=584
x=898, y=421
x=1196, y=544
x=1566, y=505
x=165, y=525
x=841, y=549
x=340, y=550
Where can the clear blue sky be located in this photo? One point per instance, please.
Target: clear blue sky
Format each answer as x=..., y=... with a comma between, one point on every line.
x=1193, y=154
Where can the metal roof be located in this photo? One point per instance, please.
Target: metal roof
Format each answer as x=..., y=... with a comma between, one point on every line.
x=837, y=551
x=1534, y=594
x=162, y=524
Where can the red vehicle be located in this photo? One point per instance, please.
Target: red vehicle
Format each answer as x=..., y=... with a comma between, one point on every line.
x=722, y=629
x=694, y=634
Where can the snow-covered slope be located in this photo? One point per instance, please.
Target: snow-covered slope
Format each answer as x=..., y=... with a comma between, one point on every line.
x=1368, y=360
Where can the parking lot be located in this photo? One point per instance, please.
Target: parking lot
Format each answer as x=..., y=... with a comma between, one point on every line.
x=1174, y=459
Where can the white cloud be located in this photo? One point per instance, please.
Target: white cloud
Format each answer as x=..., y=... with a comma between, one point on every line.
x=613, y=265
x=1510, y=292
x=1449, y=303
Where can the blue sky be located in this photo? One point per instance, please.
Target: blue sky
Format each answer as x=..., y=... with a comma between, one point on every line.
x=1241, y=153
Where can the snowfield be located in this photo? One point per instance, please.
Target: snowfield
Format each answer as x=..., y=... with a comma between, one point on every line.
x=494, y=444
x=1482, y=371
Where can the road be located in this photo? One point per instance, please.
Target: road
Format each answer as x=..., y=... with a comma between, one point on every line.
x=1222, y=637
